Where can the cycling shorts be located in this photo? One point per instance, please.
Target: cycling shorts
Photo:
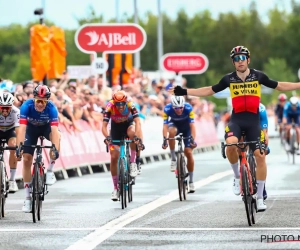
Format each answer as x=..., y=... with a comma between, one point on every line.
x=185, y=130
x=32, y=135
x=293, y=118
x=118, y=130
x=6, y=135
x=246, y=122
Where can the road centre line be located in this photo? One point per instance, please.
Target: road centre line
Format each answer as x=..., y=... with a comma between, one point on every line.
x=93, y=239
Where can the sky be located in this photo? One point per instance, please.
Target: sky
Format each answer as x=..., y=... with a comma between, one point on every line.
x=63, y=12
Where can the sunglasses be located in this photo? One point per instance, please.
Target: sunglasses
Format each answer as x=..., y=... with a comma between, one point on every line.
x=3, y=108
x=178, y=108
x=239, y=57
x=37, y=101
x=119, y=104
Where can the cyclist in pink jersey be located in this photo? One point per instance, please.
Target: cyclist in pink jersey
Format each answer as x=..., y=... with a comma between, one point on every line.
x=124, y=120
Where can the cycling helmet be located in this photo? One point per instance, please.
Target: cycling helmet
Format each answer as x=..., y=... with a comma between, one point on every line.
x=239, y=50
x=177, y=101
x=120, y=96
x=42, y=91
x=6, y=99
x=294, y=101
x=282, y=97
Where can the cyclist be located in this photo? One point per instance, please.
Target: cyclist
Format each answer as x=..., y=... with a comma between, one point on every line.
x=124, y=120
x=282, y=98
x=245, y=89
x=264, y=124
x=179, y=118
x=39, y=117
x=291, y=113
x=9, y=125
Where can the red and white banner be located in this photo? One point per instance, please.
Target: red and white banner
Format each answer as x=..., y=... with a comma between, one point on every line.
x=86, y=147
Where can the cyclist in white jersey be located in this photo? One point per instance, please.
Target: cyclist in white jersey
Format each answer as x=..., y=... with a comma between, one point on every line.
x=9, y=125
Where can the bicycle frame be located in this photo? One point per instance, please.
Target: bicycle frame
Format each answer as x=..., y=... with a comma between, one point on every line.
x=243, y=147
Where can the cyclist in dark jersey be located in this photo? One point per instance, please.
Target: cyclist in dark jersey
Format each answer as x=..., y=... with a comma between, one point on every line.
x=245, y=89
x=282, y=98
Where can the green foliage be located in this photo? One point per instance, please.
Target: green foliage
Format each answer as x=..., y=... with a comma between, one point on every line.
x=273, y=45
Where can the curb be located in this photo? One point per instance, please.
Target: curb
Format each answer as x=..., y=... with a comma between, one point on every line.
x=64, y=174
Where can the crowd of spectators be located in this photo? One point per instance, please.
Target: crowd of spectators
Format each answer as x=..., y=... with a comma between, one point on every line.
x=86, y=98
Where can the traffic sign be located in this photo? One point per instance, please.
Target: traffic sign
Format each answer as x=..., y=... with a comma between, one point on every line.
x=185, y=63
x=99, y=65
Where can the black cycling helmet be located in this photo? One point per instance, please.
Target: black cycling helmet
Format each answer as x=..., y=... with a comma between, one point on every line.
x=239, y=50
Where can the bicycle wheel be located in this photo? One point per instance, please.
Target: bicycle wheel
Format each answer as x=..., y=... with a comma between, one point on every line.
x=179, y=176
x=35, y=195
x=129, y=192
x=292, y=143
x=2, y=190
x=41, y=190
x=121, y=182
x=184, y=175
x=252, y=165
x=246, y=193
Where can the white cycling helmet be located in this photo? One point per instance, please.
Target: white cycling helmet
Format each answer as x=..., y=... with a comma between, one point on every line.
x=6, y=99
x=294, y=100
x=177, y=101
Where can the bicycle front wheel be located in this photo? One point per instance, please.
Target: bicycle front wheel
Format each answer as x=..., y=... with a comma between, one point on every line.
x=35, y=193
x=292, y=143
x=41, y=191
x=122, y=183
x=179, y=176
x=2, y=190
x=247, y=198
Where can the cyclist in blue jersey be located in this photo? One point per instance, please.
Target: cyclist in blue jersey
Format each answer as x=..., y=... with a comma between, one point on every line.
x=38, y=117
x=291, y=113
x=264, y=126
x=179, y=118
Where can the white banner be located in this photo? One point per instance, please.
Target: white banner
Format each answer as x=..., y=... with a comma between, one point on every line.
x=80, y=71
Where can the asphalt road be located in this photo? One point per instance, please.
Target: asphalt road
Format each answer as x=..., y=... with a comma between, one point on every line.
x=78, y=213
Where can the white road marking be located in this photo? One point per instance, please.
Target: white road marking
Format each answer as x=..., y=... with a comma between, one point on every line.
x=93, y=239
x=282, y=229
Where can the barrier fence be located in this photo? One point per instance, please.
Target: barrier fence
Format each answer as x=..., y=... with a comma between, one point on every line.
x=86, y=149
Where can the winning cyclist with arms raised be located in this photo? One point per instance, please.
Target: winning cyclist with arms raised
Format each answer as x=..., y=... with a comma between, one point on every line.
x=245, y=89
x=124, y=120
x=39, y=117
x=179, y=118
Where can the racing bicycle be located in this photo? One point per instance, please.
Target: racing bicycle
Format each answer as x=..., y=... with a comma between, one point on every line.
x=4, y=183
x=125, y=182
x=247, y=185
x=38, y=181
x=182, y=172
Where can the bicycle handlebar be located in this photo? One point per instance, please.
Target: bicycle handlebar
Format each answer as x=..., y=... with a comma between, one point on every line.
x=36, y=146
x=241, y=145
x=7, y=148
x=179, y=137
x=126, y=141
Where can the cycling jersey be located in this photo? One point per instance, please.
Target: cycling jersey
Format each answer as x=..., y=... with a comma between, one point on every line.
x=279, y=112
x=245, y=95
x=263, y=116
x=288, y=110
x=111, y=112
x=291, y=114
x=29, y=115
x=10, y=121
x=186, y=117
x=180, y=122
